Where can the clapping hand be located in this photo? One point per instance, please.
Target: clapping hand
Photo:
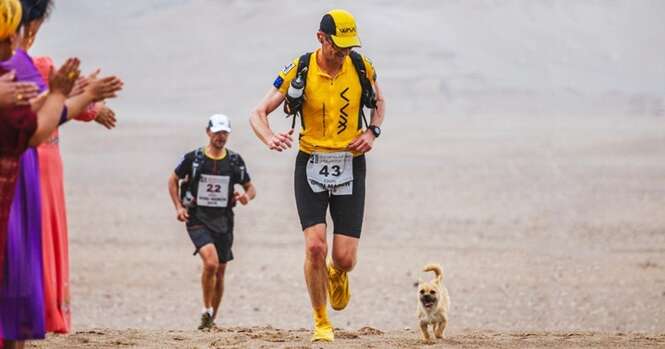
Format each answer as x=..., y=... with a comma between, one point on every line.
x=102, y=88
x=82, y=82
x=105, y=116
x=15, y=92
x=63, y=80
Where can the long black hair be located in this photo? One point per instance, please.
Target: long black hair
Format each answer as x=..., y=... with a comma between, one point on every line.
x=35, y=10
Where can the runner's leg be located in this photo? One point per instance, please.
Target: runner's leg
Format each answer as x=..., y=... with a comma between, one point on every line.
x=316, y=250
x=347, y=212
x=210, y=261
x=316, y=274
x=312, y=209
x=219, y=289
x=344, y=252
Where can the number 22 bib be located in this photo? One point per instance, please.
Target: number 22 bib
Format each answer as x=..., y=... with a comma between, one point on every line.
x=213, y=191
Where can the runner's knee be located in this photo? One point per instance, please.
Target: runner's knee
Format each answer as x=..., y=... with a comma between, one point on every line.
x=210, y=266
x=345, y=262
x=316, y=250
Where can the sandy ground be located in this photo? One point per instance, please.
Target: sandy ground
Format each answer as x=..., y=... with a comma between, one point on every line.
x=366, y=337
x=524, y=153
x=557, y=231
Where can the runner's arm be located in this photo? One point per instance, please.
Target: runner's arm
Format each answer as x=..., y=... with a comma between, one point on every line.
x=250, y=190
x=258, y=119
x=377, y=114
x=365, y=141
x=181, y=211
x=249, y=194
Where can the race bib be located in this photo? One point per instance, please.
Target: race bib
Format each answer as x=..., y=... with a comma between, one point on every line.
x=213, y=191
x=331, y=172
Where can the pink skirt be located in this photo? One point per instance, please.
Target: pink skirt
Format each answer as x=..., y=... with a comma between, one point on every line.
x=54, y=239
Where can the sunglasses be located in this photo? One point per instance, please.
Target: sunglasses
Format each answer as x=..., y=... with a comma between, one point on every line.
x=332, y=43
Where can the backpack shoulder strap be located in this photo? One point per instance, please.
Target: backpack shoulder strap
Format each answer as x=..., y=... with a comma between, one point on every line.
x=358, y=62
x=199, y=159
x=233, y=157
x=303, y=62
x=236, y=167
x=368, y=98
x=199, y=156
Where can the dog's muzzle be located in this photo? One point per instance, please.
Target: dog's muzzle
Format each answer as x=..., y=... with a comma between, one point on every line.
x=427, y=300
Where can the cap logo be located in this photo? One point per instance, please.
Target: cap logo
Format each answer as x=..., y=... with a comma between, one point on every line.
x=347, y=30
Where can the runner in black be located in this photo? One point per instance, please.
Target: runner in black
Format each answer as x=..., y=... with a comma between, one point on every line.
x=202, y=190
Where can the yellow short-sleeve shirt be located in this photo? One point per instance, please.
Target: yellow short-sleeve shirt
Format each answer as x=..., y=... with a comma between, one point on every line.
x=331, y=109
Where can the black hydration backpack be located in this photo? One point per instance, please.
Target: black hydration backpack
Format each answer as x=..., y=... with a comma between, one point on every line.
x=367, y=98
x=187, y=192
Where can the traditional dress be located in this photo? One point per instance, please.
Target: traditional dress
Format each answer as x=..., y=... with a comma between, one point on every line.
x=16, y=127
x=21, y=291
x=54, y=224
x=54, y=238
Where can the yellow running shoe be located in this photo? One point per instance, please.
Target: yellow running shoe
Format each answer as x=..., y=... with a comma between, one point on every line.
x=323, y=334
x=338, y=287
x=323, y=330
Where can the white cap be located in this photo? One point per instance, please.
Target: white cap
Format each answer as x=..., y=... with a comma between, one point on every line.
x=219, y=122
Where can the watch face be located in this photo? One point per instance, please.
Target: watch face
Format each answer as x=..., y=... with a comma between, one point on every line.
x=376, y=130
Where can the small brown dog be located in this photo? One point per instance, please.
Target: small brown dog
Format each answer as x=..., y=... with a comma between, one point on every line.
x=433, y=303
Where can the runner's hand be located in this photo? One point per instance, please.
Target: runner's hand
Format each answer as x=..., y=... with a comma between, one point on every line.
x=281, y=141
x=363, y=143
x=183, y=216
x=243, y=198
x=16, y=93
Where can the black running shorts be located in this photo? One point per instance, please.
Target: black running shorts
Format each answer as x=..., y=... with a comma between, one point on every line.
x=201, y=236
x=347, y=211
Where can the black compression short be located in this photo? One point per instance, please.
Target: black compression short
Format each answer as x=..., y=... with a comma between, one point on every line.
x=223, y=241
x=347, y=211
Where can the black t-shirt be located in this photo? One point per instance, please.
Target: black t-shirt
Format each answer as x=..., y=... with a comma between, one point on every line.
x=232, y=169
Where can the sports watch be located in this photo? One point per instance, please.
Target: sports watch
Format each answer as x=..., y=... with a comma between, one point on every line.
x=376, y=130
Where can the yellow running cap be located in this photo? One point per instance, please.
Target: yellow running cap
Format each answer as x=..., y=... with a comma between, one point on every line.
x=341, y=26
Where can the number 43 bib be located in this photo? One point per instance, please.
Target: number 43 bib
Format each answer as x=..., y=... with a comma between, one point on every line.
x=213, y=191
x=332, y=172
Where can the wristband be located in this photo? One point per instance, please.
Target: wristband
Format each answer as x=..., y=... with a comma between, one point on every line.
x=63, y=116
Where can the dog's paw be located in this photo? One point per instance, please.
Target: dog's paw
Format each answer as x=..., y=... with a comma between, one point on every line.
x=427, y=341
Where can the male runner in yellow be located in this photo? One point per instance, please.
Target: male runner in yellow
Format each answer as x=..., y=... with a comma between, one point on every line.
x=330, y=166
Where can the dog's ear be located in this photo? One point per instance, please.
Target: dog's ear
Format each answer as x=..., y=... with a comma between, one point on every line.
x=417, y=283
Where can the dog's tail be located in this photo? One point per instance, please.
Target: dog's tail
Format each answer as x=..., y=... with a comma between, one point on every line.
x=437, y=269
